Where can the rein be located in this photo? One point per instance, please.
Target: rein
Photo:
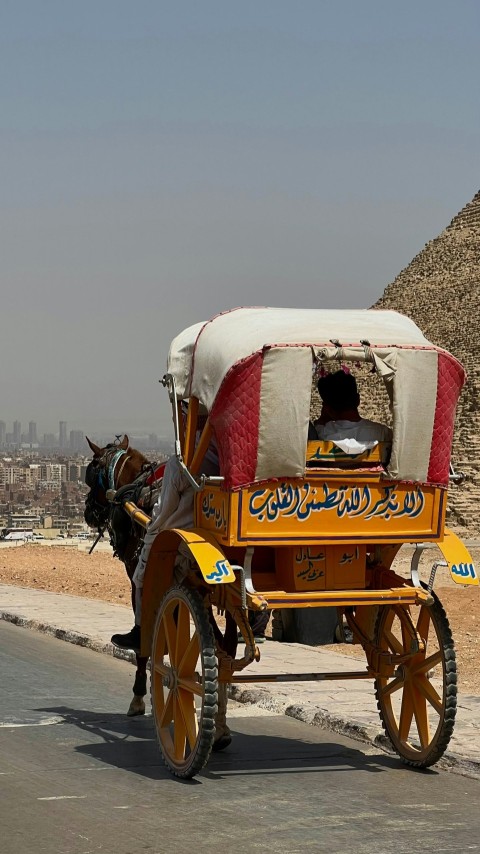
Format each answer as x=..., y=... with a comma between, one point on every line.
x=111, y=467
x=121, y=468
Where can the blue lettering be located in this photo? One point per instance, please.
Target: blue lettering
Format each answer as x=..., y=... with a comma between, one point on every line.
x=302, y=501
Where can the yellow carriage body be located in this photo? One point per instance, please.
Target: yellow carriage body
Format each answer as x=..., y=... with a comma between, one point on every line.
x=332, y=508
x=318, y=531
x=278, y=529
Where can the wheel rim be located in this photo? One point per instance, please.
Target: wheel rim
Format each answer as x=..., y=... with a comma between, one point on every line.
x=414, y=701
x=178, y=691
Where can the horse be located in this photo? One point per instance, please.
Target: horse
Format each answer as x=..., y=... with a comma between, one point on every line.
x=114, y=467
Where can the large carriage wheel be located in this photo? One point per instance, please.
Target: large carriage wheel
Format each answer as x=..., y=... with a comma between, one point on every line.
x=418, y=703
x=184, y=681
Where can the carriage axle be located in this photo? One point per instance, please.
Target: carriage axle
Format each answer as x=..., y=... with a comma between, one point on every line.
x=303, y=677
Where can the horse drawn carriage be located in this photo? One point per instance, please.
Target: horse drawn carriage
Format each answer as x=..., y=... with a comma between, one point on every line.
x=291, y=523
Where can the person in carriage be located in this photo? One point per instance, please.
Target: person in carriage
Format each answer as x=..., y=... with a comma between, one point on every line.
x=340, y=421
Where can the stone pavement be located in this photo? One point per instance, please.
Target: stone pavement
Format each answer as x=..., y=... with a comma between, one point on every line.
x=347, y=707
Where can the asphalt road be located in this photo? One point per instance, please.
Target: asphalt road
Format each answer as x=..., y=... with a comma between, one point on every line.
x=77, y=776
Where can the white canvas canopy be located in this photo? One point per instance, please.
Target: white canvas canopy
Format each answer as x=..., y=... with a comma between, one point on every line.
x=267, y=353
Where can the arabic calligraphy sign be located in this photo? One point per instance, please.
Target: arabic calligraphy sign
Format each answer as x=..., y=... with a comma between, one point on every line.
x=301, y=502
x=213, y=510
x=321, y=567
x=464, y=570
x=329, y=509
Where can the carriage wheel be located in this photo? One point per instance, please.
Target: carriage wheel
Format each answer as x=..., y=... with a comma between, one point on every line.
x=184, y=681
x=418, y=703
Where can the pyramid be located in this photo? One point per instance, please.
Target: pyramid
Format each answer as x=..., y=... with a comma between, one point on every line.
x=440, y=291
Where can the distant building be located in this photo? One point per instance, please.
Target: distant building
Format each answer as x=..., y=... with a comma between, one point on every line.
x=77, y=440
x=53, y=472
x=62, y=434
x=24, y=520
x=17, y=432
x=74, y=472
x=32, y=433
x=3, y=433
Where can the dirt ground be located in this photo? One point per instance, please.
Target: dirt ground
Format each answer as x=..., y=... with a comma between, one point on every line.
x=100, y=576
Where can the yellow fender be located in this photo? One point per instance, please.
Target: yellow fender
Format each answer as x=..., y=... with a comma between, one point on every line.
x=459, y=559
x=210, y=558
x=159, y=571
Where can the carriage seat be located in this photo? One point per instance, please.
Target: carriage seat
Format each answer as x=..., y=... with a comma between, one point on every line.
x=322, y=454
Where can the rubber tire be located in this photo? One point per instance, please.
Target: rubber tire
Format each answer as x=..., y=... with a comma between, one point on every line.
x=445, y=728
x=206, y=732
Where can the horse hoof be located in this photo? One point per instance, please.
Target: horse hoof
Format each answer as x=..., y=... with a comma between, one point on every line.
x=222, y=741
x=136, y=707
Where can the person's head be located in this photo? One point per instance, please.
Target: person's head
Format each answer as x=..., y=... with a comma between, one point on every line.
x=339, y=394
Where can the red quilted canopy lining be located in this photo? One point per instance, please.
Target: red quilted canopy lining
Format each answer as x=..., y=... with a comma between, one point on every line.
x=450, y=379
x=235, y=418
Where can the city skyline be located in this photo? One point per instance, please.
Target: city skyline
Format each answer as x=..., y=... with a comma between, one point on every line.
x=63, y=437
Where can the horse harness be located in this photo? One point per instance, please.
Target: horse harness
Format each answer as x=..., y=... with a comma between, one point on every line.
x=104, y=470
x=102, y=477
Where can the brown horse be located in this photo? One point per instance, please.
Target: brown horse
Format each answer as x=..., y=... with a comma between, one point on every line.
x=113, y=467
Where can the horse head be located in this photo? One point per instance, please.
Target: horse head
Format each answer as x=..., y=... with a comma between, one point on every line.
x=113, y=466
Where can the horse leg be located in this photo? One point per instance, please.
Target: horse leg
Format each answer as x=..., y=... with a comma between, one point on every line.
x=137, y=706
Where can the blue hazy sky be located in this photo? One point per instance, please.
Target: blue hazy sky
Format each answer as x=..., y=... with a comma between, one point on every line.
x=162, y=161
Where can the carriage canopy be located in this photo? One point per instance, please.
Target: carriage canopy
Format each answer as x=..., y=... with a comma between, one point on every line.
x=251, y=368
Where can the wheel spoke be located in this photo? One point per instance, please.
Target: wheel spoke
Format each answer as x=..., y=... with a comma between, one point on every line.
x=403, y=612
x=160, y=643
x=162, y=669
x=421, y=716
x=425, y=687
x=389, y=618
x=183, y=632
x=170, y=633
x=186, y=705
x=392, y=686
x=189, y=683
x=423, y=623
x=166, y=714
x=427, y=664
x=179, y=731
x=406, y=713
x=393, y=643
x=189, y=659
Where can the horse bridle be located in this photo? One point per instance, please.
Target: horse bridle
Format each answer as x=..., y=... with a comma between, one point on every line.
x=104, y=466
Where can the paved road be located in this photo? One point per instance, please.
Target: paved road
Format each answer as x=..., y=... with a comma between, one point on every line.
x=77, y=777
